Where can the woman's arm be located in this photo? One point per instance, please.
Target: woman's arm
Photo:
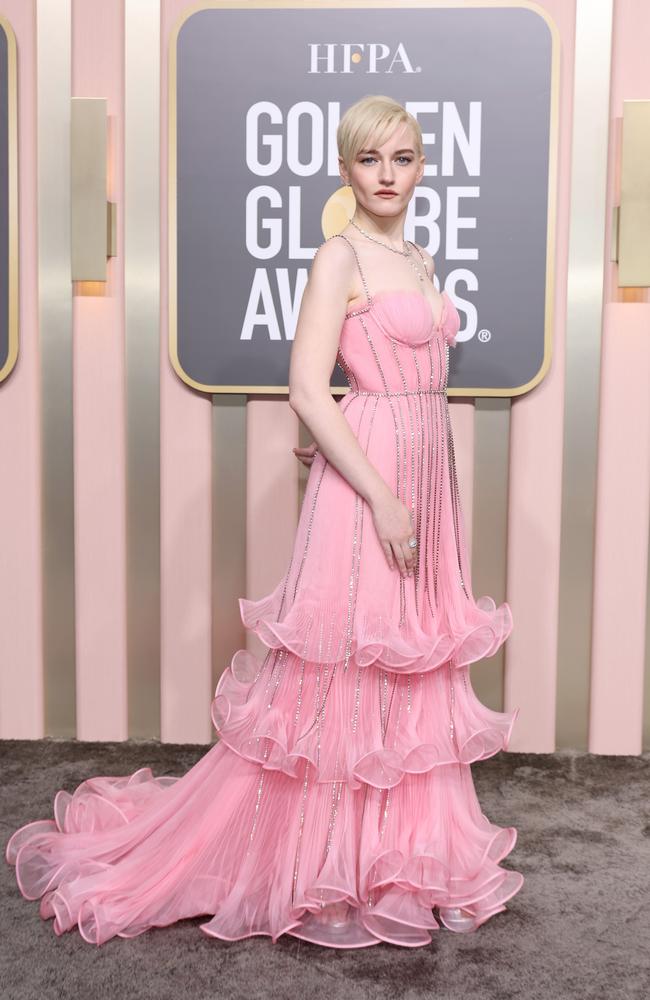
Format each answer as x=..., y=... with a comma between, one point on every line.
x=306, y=454
x=313, y=356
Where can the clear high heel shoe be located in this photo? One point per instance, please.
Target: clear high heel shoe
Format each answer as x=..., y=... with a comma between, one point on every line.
x=456, y=919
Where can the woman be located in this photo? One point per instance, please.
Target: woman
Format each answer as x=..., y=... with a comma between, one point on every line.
x=338, y=804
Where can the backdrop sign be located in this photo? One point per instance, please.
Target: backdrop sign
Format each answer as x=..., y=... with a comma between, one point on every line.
x=8, y=201
x=256, y=94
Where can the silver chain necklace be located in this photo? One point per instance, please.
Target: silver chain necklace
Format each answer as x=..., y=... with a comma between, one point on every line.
x=407, y=253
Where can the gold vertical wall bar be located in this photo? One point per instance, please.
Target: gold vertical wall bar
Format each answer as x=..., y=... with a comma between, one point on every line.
x=142, y=318
x=634, y=218
x=89, y=187
x=593, y=40
x=53, y=28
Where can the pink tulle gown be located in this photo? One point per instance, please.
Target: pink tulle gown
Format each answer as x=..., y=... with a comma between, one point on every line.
x=338, y=803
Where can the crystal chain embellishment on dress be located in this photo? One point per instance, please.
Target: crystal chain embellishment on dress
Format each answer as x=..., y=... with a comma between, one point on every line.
x=407, y=392
x=317, y=713
x=452, y=730
x=357, y=312
x=404, y=383
x=255, y=814
x=365, y=308
x=420, y=477
x=433, y=486
x=430, y=453
x=383, y=816
x=455, y=496
x=437, y=517
x=385, y=812
x=353, y=580
x=401, y=683
x=349, y=374
x=337, y=787
x=357, y=696
x=300, y=826
x=301, y=682
x=423, y=541
x=383, y=701
x=281, y=662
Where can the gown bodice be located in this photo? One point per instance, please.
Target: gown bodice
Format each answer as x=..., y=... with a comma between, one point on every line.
x=394, y=344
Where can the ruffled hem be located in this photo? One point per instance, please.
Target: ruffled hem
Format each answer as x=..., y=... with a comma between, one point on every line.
x=192, y=853
x=377, y=641
x=416, y=740
x=401, y=914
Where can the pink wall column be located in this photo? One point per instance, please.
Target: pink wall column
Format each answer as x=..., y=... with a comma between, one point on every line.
x=621, y=538
x=21, y=571
x=535, y=486
x=623, y=486
x=186, y=503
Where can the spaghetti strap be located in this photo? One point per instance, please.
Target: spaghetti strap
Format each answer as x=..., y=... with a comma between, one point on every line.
x=363, y=277
x=421, y=255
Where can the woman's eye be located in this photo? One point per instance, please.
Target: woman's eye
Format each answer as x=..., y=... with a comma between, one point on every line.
x=366, y=158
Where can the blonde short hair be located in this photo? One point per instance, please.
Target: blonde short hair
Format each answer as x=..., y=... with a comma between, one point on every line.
x=370, y=122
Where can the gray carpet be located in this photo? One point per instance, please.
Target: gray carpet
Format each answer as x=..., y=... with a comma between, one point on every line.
x=579, y=928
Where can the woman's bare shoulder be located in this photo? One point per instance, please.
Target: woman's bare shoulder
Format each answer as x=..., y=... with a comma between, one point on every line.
x=331, y=275
x=333, y=264
x=333, y=252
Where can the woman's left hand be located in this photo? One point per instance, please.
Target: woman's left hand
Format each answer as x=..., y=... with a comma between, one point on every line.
x=306, y=455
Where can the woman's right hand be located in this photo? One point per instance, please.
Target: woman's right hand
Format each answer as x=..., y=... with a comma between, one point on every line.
x=306, y=455
x=394, y=526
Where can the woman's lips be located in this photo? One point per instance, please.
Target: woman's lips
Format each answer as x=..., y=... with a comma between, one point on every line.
x=387, y=194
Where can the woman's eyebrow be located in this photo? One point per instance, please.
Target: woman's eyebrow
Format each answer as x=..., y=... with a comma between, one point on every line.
x=376, y=151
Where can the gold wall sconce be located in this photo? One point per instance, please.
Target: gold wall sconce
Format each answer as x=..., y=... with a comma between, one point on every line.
x=631, y=219
x=92, y=216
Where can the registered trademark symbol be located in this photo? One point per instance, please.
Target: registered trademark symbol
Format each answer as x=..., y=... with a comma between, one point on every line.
x=484, y=335
x=418, y=69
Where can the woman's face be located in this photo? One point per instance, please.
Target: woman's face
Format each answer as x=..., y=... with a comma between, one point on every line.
x=394, y=166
